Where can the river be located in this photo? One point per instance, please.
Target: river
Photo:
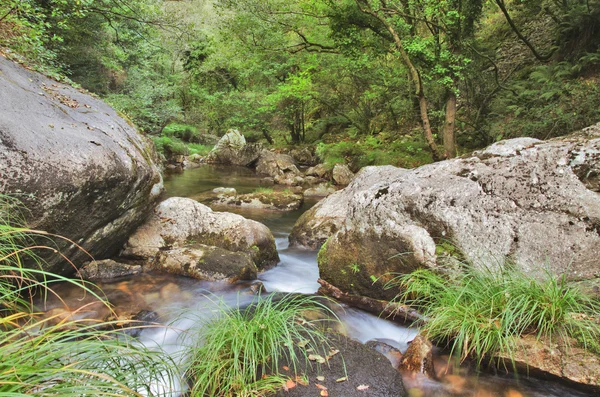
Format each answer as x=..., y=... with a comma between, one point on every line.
x=183, y=302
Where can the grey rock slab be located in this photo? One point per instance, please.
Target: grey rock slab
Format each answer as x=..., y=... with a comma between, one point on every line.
x=81, y=170
x=522, y=202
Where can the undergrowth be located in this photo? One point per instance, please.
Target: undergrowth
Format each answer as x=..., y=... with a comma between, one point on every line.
x=407, y=151
x=61, y=357
x=241, y=351
x=480, y=313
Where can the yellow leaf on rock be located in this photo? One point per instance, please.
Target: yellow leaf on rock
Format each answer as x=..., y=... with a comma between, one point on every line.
x=317, y=358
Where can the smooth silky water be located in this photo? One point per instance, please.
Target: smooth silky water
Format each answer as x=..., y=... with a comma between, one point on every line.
x=184, y=303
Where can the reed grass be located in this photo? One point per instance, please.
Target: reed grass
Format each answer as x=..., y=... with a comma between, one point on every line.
x=46, y=356
x=240, y=352
x=480, y=312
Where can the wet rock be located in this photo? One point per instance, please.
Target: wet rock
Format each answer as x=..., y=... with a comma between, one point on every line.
x=80, y=169
x=289, y=179
x=225, y=191
x=107, y=269
x=276, y=164
x=208, y=263
x=559, y=357
x=418, y=357
x=342, y=175
x=325, y=218
x=232, y=149
x=390, y=352
x=275, y=200
x=368, y=373
x=143, y=319
x=321, y=190
x=319, y=170
x=520, y=202
x=180, y=222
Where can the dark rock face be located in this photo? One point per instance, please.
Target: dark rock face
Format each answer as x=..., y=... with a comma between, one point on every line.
x=80, y=169
x=522, y=201
x=368, y=373
x=107, y=269
x=204, y=262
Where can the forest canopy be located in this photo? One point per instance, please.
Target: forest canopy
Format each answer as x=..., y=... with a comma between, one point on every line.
x=424, y=79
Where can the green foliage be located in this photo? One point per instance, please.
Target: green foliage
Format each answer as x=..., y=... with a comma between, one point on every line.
x=480, y=312
x=62, y=357
x=170, y=147
x=407, y=151
x=238, y=352
x=551, y=102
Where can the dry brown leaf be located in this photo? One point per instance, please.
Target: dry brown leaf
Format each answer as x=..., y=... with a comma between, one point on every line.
x=324, y=393
x=317, y=358
x=303, y=343
x=320, y=386
x=301, y=380
x=362, y=387
x=338, y=380
x=289, y=384
x=286, y=368
x=333, y=352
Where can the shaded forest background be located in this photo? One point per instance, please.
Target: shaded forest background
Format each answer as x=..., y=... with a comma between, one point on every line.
x=400, y=82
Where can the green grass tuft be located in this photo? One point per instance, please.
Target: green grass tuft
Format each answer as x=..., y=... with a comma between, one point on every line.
x=47, y=356
x=239, y=352
x=482, y=312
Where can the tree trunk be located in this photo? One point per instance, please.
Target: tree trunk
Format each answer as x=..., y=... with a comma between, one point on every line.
x=415, y=77
x=448, y=133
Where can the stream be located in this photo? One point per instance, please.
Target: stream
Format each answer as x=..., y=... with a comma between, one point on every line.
x=184, y=302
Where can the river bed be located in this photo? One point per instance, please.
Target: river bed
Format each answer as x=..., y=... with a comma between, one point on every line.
x=183, y=302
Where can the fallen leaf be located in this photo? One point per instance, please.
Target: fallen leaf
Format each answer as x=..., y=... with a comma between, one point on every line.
x=338, y=380
x=286, y=368
x=332, y=353
x=324, y=393
x=289, y=384
x=320, y=386
x=301, y=380
x=317, y=358
x=303, y=343
x=362, y=387
x=320, y=378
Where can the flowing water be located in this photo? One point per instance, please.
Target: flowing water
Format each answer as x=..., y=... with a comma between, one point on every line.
x=185, y=302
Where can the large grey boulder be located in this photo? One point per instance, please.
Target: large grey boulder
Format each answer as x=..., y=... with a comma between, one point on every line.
x=523, y=202
x=81, y=170
x=232, y=149
x=183, y=223
x=327, y=216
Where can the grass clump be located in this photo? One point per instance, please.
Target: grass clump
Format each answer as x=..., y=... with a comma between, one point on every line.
x=239, y=352
x=264, y=190
x=61, y=357
x=480, y=313
x=170, y=146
